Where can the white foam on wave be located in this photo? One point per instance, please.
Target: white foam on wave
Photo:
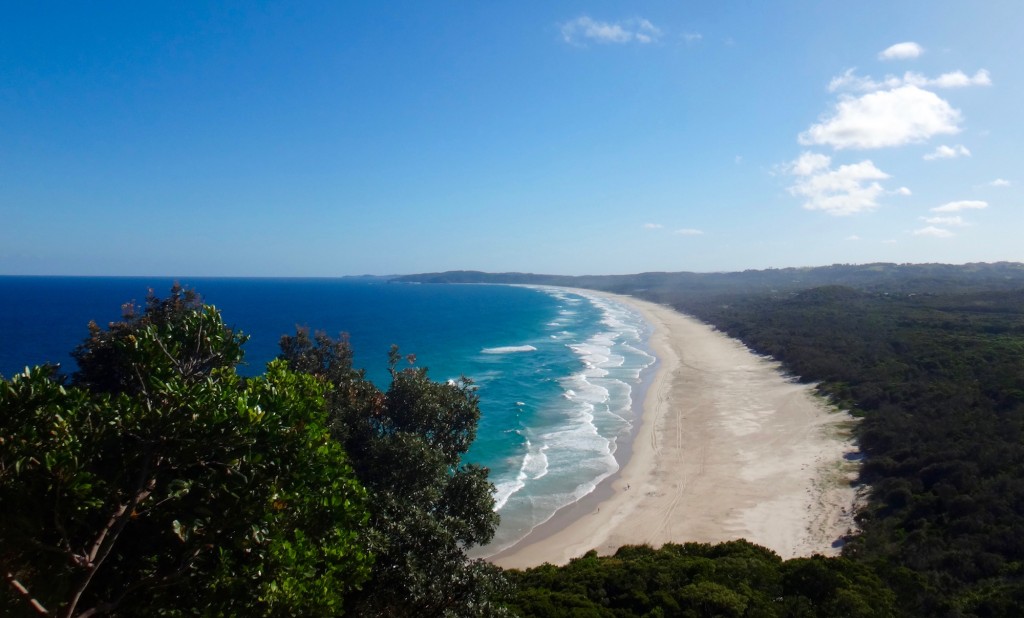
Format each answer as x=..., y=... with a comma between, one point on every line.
x=579, y=388
x=612, y=361
x=509, y=349
x=504, y=491
x=594, y=357
x=483, y=377
x=533, y=466
x=573, y=440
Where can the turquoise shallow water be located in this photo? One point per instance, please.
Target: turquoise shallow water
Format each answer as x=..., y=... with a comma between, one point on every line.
x=557, y=370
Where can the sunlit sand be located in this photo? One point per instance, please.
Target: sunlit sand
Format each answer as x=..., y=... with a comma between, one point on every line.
x=728, y=448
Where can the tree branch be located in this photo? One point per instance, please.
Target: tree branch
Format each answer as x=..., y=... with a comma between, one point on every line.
x=104, y=544
x=151, y=582
x=25, y=594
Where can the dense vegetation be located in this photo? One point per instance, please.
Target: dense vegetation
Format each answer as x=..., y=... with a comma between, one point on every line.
x=157, y=481
x=932, y=358
x=426, y=508
x=729, y=579
x=939, y=381
x=666, y=287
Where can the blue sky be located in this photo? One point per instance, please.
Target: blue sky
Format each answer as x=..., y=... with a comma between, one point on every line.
x=336, y=138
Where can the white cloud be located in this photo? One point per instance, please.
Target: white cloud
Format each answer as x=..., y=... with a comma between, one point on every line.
x=631, y=30
x=961, y=205
x=947, y=152
x=901, y=51
x=853, y=237
x=850, y=81
x=809, y=163
x=688, y=232
x=646, y=32
x=902, y=191
x=692, y=37
x=1000, y=182
x=847, y=190
x=956, y=79
x=885, y=118
x=653, y=226
x=956, y=221
x=934, y=232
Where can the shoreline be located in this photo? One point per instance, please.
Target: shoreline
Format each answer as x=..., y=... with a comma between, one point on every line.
x=622, y=442
x=727, y=447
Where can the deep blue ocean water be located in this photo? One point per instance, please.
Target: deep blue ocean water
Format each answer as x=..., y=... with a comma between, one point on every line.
x=557, y=370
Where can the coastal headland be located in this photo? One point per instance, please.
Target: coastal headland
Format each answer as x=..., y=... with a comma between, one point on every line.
x=728, y=447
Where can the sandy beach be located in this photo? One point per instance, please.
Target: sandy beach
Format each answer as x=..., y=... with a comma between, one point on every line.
x=728, y=447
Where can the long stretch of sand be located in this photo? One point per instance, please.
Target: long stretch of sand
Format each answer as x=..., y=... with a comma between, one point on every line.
x=728, y=447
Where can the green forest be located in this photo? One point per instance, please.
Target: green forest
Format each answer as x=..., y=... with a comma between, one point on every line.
x=158, y=481
x=931, y=358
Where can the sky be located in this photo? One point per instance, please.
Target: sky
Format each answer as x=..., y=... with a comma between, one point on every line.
x=342, y=138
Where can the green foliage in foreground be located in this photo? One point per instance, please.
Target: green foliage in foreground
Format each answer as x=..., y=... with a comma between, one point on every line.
x=426, y=506
x=161, y=482
x=729, y=579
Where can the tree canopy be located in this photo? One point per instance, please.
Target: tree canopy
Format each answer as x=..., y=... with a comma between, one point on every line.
x=157, y=480
x=161, y=481
x=696, y=579
x=426, y=506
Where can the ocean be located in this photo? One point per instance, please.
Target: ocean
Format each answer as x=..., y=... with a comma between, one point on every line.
x=559, y=372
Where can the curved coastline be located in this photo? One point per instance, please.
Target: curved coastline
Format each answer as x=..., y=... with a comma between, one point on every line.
x=609, y=376
x=727, y=447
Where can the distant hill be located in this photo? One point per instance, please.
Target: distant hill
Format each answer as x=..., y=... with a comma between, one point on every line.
x=676, y=286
